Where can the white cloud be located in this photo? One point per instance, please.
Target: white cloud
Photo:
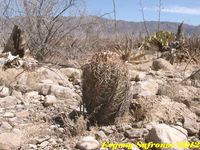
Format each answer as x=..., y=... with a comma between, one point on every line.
x=177, y=10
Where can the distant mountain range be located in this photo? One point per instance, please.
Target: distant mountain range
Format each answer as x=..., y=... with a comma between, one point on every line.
x=137, y=28
x=106, y=27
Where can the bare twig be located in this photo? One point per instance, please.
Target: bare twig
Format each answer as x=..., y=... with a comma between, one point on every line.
x=143, y=17
x=159, y=13
x=115, y=18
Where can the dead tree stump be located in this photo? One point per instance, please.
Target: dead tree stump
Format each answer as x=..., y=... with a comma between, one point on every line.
x=16, y=42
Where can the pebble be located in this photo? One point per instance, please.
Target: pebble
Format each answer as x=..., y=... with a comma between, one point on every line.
x=4, y=91
x=100, y=135
x=123, y=128
x=16, y=131
x=40, y=140
x=44, y=144
x=107, y=130
x=49, y=100
x=9, y=115
x=33, y=146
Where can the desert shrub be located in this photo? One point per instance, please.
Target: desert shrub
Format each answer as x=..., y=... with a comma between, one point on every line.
x=187, y=50
x=128, y=47
x=105, y=86
x=192, y=45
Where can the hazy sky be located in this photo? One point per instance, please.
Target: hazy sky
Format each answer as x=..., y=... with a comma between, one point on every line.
x=130, y=10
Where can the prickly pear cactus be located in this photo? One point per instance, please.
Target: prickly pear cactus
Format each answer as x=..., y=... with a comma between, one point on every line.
x=159, y=39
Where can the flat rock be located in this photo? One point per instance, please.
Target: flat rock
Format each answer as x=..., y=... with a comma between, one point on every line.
x=159, y=109
x=145, y=88
x=62, y=92
x=9, y=115
x=135, y=133
x=33, y=96
x=44, y=144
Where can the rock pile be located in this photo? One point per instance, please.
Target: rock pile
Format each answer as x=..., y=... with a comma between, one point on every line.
x=35, y=107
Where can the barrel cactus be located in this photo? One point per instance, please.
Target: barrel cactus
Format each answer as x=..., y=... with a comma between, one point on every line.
x=105, y=86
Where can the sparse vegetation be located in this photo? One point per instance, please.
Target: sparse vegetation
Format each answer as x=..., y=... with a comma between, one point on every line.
x=65, y=77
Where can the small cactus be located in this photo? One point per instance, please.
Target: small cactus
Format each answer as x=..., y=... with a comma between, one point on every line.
x=105, y=86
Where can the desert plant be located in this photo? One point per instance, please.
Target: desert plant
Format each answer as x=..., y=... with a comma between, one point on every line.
x=193, y=47
x=159, y=39
x=179, y=34
x=105, y=86
x=16, y=42
x=45, y=22
x=127, y=48
x=183, y=49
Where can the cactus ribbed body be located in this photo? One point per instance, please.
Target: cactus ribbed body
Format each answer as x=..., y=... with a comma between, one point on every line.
x=105, y=87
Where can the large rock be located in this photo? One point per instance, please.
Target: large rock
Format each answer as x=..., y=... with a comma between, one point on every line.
x=145, y=88
x=88, y=143
x=62, y=92
x=163, y=133
x=9, y=141
x=161, y=64
x=51, y=73
x=160, y=109
x=188, y=95
x=179, y=92
x=33, y=81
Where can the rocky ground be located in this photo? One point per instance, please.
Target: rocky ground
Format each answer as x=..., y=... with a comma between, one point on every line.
x=38, y=108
